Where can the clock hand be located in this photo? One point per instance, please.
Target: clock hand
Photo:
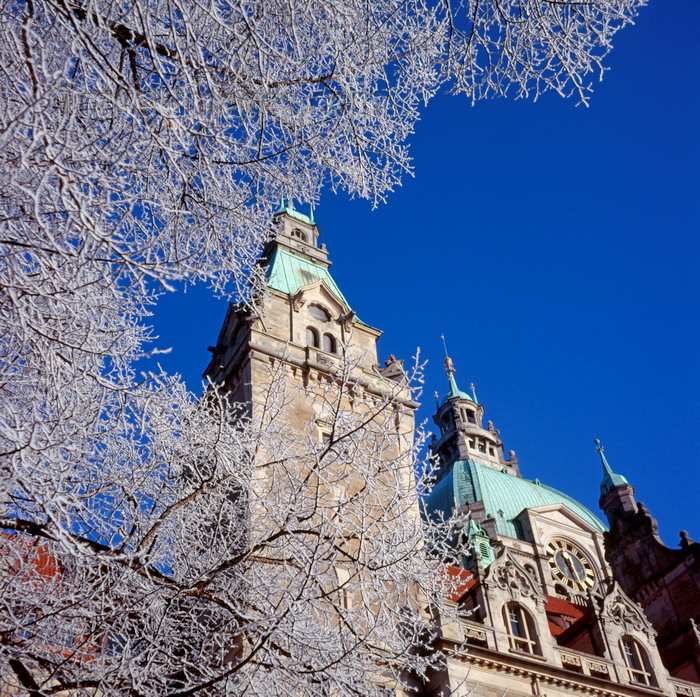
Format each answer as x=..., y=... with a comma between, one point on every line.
x=570, y=563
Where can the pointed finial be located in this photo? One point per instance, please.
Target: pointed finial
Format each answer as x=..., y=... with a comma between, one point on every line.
x=450, y=371
x=437, y=399
x=473, y=389
x=282, y=205
x=311, y=214
x=449, y=365
x=610, y=478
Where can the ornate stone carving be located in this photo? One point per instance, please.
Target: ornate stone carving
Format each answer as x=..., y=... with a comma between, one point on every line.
x=570, y=659
x=619, y=609
x=347, y=320
x=298, y=300
x=598, y=667
x=683, y=690
x=472, y=633
x=323, y=360
x=509, y=575
x=695, y=630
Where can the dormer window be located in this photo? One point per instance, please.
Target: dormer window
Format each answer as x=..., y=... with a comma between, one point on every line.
x=312, y=337
x=319, y=313
x=296, y=232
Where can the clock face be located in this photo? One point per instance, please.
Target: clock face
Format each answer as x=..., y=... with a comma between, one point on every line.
x=569, y=565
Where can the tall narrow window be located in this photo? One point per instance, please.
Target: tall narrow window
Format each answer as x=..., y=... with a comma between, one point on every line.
x=329, y=343
x=521, y=629
x=637, y=662
x=311, y=337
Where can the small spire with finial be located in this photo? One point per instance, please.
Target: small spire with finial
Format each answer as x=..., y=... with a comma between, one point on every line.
x=610, y=478
x=311, y=214
x=472, y=387
x=450, y=371
x=449, y=365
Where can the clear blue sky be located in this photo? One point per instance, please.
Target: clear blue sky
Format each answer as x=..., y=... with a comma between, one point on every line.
x=557, y=249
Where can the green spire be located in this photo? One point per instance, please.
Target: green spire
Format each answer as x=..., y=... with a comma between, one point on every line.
x=610, y=479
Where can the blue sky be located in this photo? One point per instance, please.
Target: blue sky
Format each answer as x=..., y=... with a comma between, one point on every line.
x=557, y=249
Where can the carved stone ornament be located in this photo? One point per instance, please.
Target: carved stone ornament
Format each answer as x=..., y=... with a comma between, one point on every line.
x=323, y=360
x=471, y=633
x=509, y=575
x=683, y=690
x=298, y=300
x=598, y=667
x=695, y=630
x=347, y=320
x=570, y=659
x=619, y=609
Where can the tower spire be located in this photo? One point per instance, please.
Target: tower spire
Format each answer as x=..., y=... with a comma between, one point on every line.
x=450, y=371
x=610, y=478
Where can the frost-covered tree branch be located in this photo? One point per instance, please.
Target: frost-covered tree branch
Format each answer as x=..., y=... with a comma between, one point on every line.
x=145, y=143
x=239, y=557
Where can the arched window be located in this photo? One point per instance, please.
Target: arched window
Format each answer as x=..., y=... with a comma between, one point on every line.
x=296, y=232
x=637, y=662
x=329, y=343
x=312, y=337
x=319, y=313
x=471, y=417
x=521, y=629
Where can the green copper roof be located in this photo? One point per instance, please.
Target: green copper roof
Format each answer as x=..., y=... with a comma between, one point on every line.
x=291, y=211
x=504, y=495
x=610, y=479
x=287, y=273
x=455, y=392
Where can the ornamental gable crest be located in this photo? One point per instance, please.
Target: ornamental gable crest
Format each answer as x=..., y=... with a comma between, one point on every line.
x=618, y=608
x=509, y=575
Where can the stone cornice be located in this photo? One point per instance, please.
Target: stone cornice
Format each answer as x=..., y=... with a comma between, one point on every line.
x=532, y=668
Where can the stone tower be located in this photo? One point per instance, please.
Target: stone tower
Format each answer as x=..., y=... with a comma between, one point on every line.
x=304, y=324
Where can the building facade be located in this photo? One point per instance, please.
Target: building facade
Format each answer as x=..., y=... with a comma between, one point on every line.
x=553, y=602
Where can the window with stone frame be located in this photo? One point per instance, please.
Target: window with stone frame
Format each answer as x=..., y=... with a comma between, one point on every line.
x=312, y=337
x=330, y=345
x=522, y=635
x=637, y=660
